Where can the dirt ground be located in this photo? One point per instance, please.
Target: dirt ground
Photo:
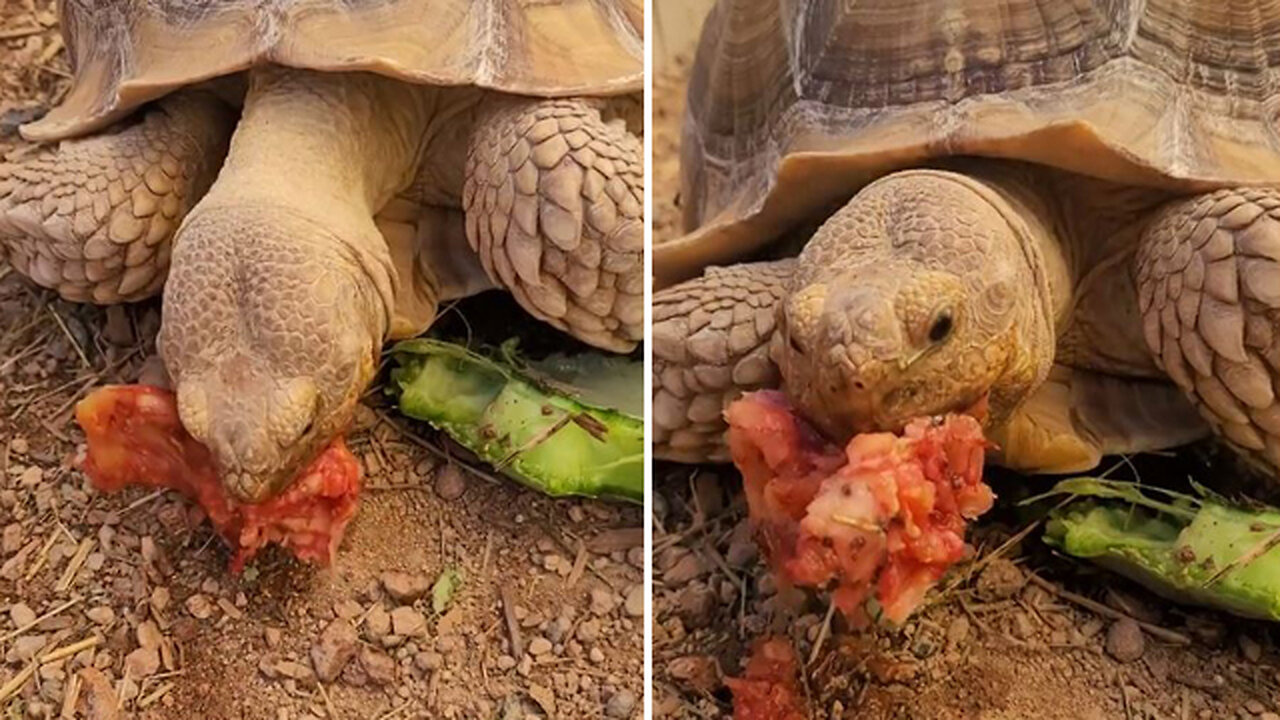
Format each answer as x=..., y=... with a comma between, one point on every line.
x=1020, y=632
x=137, y=585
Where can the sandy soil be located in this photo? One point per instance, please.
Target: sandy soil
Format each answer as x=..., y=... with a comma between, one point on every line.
x=1010, y=639
x=171, y=634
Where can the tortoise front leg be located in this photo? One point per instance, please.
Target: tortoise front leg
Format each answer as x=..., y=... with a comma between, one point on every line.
x=1208, y=271
x=553, y=199
x=94, y=218
x=711, y=340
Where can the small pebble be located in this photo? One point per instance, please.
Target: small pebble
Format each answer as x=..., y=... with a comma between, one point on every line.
x=405, y=588
x=539, y=646
x=1124, y=640
x=334, y=649
x=21, y=615
x=199, y=607
x=101, y=615
x=407, y=622
x=620, y=705
x=635, y=601
x=602, y=601
x=451, y=483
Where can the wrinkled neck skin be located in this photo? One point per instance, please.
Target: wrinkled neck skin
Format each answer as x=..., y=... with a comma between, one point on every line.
x=930, y=291
x=281, y=287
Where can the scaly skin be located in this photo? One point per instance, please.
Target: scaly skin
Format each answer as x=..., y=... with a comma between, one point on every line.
x=928, y=291
x=1041, y=277
x=283, y=285
x=281, y=289
x=94, y=218
x=1208, y=273
x=554, y=199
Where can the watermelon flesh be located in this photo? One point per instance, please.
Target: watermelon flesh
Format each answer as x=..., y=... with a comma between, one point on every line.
x=769, y=688
x=884, y=517
x=135, y=437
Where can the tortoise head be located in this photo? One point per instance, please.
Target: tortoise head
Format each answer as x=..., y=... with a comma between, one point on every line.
x=915, y=299
x=271, y=332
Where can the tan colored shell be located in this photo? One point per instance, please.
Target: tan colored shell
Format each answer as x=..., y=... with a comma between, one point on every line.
x=127, y=52
x=795, y=105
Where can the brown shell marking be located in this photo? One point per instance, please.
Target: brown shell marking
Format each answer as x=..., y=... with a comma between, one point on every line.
x=127, y=52
x=791, y=109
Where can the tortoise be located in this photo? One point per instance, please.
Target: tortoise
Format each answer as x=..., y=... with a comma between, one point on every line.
x=1068, y=211
x=305, y=179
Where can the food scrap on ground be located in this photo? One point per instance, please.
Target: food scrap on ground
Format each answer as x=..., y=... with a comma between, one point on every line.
x=885, y=516
x=135, y=437
x=768, y=689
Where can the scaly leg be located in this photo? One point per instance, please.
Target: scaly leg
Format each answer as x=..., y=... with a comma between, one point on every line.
x=711, y=339
x=94, y=218
x=1208, y=274
x=553, y=200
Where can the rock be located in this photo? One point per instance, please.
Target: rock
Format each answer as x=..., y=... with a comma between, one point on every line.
x=407, y=622
x=428, y=661
x=1250, y=648
x=380, y=668
x=596, y=655
x=451, y=482
x=377, y=623
x=999, y=580
x=19, y=446
x=101, y=615
x=302, y=674
x=26, y=647
x=696, y=605
x=1254, y=706
x=333, y=650
x=539, y=646
x=160, y=599
x=199, y=607
x=347, y=609
x=148, y=635
x=1124, y=640
x=743, y=549
x=405, y=588
x=634, y=605
x=688, y=567
x=620, y=705
x=142, y=663
x=602, y=601
x=21, y=615
x=506, y=662
x=11, y=540
x=272, y=636
x=31, y=477
x=958, y=631
x=558, y=628
x=696, y=673
x=589, y=631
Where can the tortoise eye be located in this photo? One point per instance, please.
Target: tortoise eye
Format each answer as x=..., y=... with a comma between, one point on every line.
x=941, y=328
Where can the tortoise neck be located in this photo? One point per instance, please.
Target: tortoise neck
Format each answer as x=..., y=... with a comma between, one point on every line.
x=326, y=140
x=1028, y=204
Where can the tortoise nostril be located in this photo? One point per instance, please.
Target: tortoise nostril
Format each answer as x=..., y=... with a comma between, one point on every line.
x=859, y=385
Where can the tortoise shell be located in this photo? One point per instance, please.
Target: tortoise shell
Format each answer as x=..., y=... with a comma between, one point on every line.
x=794, y=105
x=127, y=52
